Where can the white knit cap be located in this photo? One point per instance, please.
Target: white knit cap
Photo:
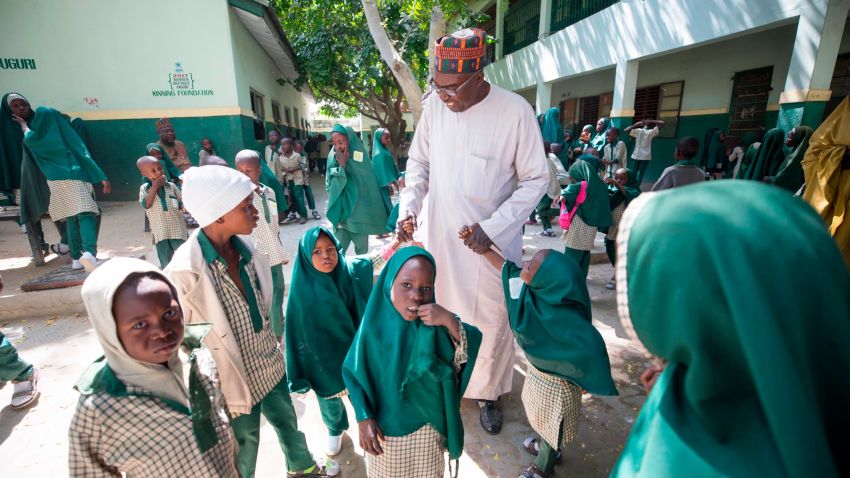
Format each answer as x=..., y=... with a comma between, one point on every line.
x=210, y=192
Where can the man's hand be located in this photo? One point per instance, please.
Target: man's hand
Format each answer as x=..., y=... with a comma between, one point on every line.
x=405, y=227
x=107, y=188
x=478, y=240
x=371, y=436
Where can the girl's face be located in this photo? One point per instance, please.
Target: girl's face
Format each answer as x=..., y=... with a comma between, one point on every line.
x=207, y=145
x=386, y=139
x=148, y=320
x=529, y=268
x=413, y=286
x=325, y=256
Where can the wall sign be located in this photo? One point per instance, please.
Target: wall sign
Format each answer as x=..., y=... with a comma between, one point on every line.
x=181, y=83
x=17, y=63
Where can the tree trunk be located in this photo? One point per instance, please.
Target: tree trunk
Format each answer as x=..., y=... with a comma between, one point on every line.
x=436, y=30
x=401, y=70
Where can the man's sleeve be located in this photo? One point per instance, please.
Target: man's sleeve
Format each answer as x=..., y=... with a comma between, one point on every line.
x=417, y=178
x=532, y=174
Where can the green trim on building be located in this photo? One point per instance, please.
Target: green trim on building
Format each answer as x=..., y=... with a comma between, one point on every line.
x=249, y=6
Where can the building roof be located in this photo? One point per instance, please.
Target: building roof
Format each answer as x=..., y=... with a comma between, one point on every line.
x=260, y=19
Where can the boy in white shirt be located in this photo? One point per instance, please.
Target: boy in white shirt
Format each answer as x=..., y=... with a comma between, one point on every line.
x=614, y=152
x=643, y=132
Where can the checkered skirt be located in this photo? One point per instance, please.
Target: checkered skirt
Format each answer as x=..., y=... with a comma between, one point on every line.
x=579, y=236
x=69, y=197
x=616, y=215
x=420, y=454
x=552, y=405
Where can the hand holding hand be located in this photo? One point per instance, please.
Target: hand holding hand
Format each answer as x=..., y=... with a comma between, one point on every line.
x=406, y=226
x=464, y=233
x=371, y=436
x=478, y=240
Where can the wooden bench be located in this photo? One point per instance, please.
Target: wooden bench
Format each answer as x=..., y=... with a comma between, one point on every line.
x=14, y=214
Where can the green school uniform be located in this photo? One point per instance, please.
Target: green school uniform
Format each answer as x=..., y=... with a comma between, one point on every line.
x=790, y=175
x=386, y=170
x=769, y=157
x=593, y=212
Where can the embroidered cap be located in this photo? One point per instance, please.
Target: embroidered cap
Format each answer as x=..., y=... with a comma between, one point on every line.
x=162, y=123
x=464, y=51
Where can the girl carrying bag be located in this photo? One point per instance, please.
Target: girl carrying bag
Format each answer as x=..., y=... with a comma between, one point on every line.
x=566, y=217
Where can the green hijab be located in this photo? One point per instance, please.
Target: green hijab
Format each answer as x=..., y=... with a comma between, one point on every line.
x=600, y=139
x=316, y=343
x=631, y=189
x=594, y=211
x=790, y=173
x=707, y=141
x=769, y=156
x=715, y=156
x=747, y=140
x=58, y=150
x=11, y=154
x=551, y=127
x=386, y=170
x=171, y=171
x=551, y=320
x=354, y=197
x=401, y=373
x=755, y=344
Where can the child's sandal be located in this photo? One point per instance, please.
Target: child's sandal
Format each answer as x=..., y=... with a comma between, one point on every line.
x=532, y=447
x=326, y=468
x=533, y=472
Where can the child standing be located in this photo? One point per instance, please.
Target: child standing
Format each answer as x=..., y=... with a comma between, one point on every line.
x=643, y=132
x=266, y=232
x=293, y=173
x=591, y=215
x=161, y=200
x=550, y=315
x=22, y=374
x=324, y=279
x=622, y=189
x=684, y=171
x=544, y=207
x=147, y=407
x=222, y=280
x=305, y=168
x=614, y=152
x=207, y=150
x=407, y=370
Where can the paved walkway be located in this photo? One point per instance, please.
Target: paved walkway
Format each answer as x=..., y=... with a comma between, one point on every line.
x=49, y=333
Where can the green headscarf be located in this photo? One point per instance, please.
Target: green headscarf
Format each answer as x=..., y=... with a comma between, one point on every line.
x=171, y=171
x=715, y=150
x=599, y=139
x=594, y=211
x=593, y=160
x=551, y=320
x=747, y=140
x=769, y=156
x=790, y=173
x=631, y=189
x=755, y=344
x=354, y=197
x=322, y=316
x=57, y=150
x=551, y=127
x=11, y=138
x=386, y=170
x=704, y=153
x=401, y=373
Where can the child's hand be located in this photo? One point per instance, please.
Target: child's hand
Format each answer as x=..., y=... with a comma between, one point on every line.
x=649, y=376
x=371, y=436
x=464, y=232
x=435, y=315
x=608, y=181
x=409, y=227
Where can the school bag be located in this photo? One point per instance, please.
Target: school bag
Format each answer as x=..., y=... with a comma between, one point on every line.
x=566, y=217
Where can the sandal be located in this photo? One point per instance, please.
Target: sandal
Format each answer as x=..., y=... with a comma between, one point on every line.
x=322, y=469
x=26, y=392
x=532, y=447
x=533, y=472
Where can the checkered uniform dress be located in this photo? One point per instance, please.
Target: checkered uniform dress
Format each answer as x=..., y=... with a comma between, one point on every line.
x=579, y=236
x=261, y=352
x=144, y=437
x=552, y=405
x=421, y=454
x=267, y=232
x=165, y=224
x=616, y=215
x=69, y=197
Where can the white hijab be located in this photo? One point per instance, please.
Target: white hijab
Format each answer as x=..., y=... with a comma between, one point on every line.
x=98, y=292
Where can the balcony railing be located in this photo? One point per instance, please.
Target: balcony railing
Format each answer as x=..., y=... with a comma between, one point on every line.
x=567, y=12
x=522, y=24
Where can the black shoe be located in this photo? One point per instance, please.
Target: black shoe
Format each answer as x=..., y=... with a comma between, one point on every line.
x=491, y=418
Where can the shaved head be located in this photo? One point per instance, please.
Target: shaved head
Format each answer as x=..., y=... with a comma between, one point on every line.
x=146, y=160
x=247, y=156
x=213, y=160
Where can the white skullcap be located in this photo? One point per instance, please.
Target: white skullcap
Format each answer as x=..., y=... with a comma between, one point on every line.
x=210, y=192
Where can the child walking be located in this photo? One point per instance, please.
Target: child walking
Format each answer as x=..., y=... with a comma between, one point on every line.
x=222, y=280
x=622, y=189
x=151, y=406
x=298, y=146
x=591, y=215
x=161, y=200
x=550, y=315
x=324, y=279
x=266, y=232
x=407, y=370
x=290, y=165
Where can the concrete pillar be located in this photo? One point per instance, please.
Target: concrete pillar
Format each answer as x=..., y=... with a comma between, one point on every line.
x=501, y=9
x=816, y=45
x=545, y=19
x=544, y=96
x=625, y=84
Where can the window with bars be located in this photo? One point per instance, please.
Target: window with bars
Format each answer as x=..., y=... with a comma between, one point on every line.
x=568, y=115
x=286, y=116
x=276, y=112
x=588, y=110
x=662, y=102
x=749, y=100
x=259, y=115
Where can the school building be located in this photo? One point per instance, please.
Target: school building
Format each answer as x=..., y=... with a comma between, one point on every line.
x=221, y=69
x=696, y=64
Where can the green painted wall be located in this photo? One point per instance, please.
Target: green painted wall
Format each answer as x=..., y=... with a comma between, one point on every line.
x=802, y=113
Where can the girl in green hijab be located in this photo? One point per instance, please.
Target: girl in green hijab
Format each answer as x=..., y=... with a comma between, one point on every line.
x=323, y=279
x=738, y=159
x=769, y=157
x=754, y=378
x=550, y=315
x=715, y=160
x=407, y=370
x=551, y=129
x=622, y=189
x=592, y=215
x=600, y=137
x=386, y=170
x=789, y=174
x=356, y=208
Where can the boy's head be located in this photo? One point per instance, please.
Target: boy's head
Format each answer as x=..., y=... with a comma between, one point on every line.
x=274, y=137
x=148, y=319
x=325, y=256
x=687, y=148
x=286, y=145
x=207, y=145
x=529, y=268
x=556, y=148
x=612, y=135
x=298, y=146
x=149, y=167
x=247, y=162
x=220, y=199
x=621, y=176
x=213, y=160
x=413, y=286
